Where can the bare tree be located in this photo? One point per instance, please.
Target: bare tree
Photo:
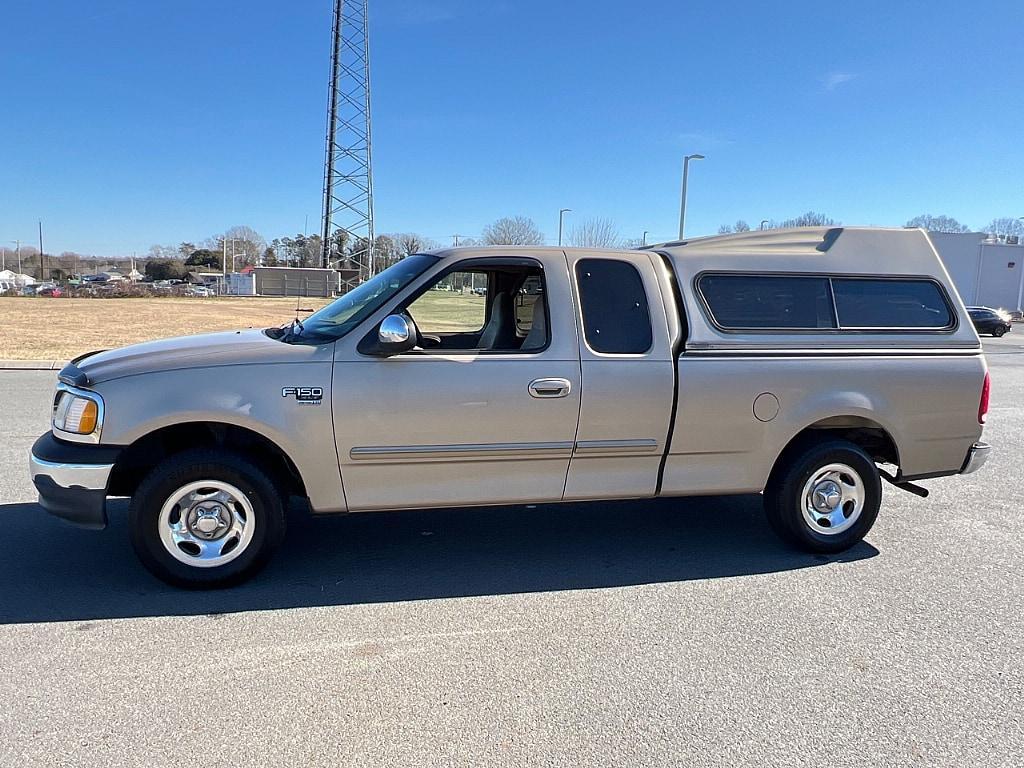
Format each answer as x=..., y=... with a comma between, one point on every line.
x=739, y=226
x=386, y=251
x=809, y=219
x=166, y=252
x=409, y=243
x=515, y=230
x=249, y=244
x=937, y=223
x=1004, y=227
x=595, y=233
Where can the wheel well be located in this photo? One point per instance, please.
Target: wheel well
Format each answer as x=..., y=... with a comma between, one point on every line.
x=861, y=431
x=138, y=458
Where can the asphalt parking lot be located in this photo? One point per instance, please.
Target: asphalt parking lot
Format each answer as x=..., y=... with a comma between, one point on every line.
x=665, y=633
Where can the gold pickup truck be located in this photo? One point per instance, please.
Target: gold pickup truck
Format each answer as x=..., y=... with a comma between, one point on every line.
x=805, y=364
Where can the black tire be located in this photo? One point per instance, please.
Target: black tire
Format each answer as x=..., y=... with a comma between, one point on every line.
x=180, y=470
x=784, y=495
x=998, y=332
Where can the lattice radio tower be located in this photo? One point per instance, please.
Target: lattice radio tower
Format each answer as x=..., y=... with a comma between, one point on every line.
x=348, y=171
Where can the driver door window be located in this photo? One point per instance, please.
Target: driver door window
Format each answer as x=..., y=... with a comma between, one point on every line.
x=499, y=310
x=452, y=313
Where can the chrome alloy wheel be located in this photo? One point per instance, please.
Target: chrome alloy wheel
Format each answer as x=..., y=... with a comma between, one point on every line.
x=206, y=524
x=832, y=499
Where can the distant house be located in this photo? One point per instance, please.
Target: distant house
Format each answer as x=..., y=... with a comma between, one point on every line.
x=13, y=280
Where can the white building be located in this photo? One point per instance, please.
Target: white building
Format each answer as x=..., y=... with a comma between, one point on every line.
x=987, y=273
x=13, y=280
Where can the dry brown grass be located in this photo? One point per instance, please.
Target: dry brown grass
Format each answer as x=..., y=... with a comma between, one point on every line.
x=59, y=329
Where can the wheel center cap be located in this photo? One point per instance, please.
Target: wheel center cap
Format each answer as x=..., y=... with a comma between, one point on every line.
x=208, y=521
x=827, y=496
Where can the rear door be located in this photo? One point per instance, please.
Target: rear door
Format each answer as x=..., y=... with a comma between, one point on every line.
x=626, y=359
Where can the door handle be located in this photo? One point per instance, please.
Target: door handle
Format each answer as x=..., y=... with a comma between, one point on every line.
x=548, y=388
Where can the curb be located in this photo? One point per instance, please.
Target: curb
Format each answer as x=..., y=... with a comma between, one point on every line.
x=32, y=365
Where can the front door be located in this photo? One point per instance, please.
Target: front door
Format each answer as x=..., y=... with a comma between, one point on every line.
x=484, y=411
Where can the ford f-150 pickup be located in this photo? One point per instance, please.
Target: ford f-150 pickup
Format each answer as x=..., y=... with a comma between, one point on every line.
x=806, y=365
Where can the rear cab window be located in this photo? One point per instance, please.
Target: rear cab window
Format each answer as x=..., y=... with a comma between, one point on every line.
x=616, y=315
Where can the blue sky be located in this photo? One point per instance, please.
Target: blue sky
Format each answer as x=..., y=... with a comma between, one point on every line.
x=131, y=123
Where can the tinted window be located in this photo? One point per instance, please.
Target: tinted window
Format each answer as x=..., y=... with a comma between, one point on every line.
x=890, y=304
x=616, y=319
x=762, y=301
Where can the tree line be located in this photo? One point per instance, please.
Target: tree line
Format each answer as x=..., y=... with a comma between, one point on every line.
x=243, y=246
x=999, y=228
x=251, y=249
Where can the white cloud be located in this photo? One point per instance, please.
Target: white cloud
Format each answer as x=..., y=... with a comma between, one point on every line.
x=833, y=80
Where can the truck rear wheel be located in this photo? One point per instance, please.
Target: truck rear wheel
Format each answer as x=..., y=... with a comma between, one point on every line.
x=824, y=497
x=206, y=518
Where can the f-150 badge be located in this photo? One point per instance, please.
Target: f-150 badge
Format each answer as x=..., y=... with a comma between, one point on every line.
x=304, y=395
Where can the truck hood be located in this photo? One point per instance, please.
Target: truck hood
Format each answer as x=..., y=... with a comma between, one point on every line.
x=200, y=351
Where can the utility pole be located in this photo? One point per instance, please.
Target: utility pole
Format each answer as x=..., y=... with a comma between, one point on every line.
x=455, y=238
x=42, y=258
x=348, y=170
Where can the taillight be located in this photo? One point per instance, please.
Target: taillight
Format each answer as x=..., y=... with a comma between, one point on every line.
x=983, y=406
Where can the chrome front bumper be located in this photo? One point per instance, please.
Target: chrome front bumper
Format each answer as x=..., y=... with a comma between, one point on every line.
x=69, y=486
x=976, y=458
x=90, y=477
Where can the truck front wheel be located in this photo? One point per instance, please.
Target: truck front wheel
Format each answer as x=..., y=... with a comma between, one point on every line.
x=206, y=518
x=824, y=497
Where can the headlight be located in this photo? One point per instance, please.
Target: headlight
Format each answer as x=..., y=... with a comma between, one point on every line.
x=76, y=413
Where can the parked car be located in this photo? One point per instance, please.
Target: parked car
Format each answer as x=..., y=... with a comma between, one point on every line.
x=48, y=289
x=992, y=321
x=798, y=364
x=199, y=290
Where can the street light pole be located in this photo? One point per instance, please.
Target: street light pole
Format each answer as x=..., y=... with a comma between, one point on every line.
x=1020, y=286
x=561, y=219
x=682, y=201
x=764, y=225
x=643, y=240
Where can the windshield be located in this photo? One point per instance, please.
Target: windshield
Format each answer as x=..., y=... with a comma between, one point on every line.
x=345, y=313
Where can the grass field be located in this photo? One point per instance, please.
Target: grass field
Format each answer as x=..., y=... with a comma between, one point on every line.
x=59, y=329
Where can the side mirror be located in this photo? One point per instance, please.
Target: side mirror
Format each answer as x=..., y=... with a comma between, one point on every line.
x=396, y=335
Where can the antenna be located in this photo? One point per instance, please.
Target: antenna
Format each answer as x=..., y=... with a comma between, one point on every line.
x=348, y=179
